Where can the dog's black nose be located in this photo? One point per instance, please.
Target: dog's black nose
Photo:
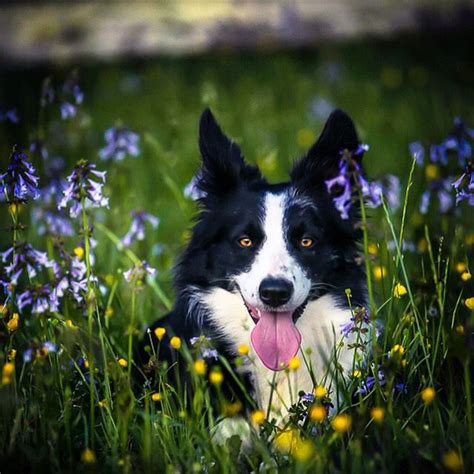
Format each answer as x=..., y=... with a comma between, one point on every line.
x=275, y=292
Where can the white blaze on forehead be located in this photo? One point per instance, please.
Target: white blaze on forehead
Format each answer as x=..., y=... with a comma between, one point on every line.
x=274, y=258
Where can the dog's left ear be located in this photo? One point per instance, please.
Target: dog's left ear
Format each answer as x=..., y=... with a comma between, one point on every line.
x=223, y=166
x=322, y=160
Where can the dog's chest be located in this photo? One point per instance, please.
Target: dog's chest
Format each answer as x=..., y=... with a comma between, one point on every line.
x=320, y=347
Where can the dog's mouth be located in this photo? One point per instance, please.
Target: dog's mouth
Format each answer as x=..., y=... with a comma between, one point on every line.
x=275, y=337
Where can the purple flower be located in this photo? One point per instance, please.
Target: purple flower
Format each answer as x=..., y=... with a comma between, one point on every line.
x=41, y=298
x=458, y=141
x=441, y=189
x=368, y=384
x=417, y=151
x=120, y=143
x=359, y=319
x=192, y=189
x=20, y=181
x=10, y=115
x=390, y=187
x=82, y=185
x=137, y=228
x=68, y=110
x=138, y=272
x=28, y=355
x=438, y=154
x=37, y=147
x=464, y=186
x=72, y=90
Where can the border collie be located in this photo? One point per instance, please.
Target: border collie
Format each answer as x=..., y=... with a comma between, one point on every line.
x=267, y=267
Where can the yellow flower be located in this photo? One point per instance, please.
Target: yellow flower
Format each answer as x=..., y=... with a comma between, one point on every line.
x=122, y=362
x=399, y=290
x=320, y=391
x=14, y=323
x=175, y=342
x=294, y=363
x=428, y=395
x=70, y=324
x=285, y=440
x=13, y=208
x=303, y=450
x=12, y=354
x=459, y=329
x=86, y=363
x=341, y=423
x=8, y=369
x=317, y=413
x=379, y=272
x=422, y=245
x=305, y=137
x=466, y=276
x=453, y=461
x=109, y=279
x=398, y=349
x=243, y=349
x=109, y=312
x=233, y=409
x=469, y=302
x=79, y=252
x=156, y=397
x=357, y=374
x=377, y=414
x=200, y=367
x=431, y=172
x=372, y=249
x=258, y=417
x=102, y=403
x=403, y=362
x=160, y=333
x=216, y=377
x=88, y=456
x=461, y=267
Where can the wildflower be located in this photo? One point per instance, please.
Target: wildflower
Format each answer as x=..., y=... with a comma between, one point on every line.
x=428, y=395
x=459, y=329
x=20, y=180
x=341, y=423
x=379, y=272
x=258, y=417
x=367, y=385
x=156, y=397
x=83, y=185
x=378, y=414
x=303, y=450
x=417, y=151
x=79, y=252
x=67, y=110
x=216, y=377
x=102, y=403
x=398, y=349
x=357, y=322
x=109, y=312
x=88, y=456
x=160, y=333
x=200, y=367
x=138, y=272
x=193, y=190
x=317, y=413
x=469, y=302
x=47, y=348
x=285, y=440
x=453, y=461
x=175, y=342
x=70, y=324
x=137, y=228
x=320, y=392
x=11, y=354
x=461, y=267
x=233, y=409
x=357, y=374
x=10, y=115
x=13, y=323
x=390, y=187
x=372, y=249
x=399, y=291
x=7, y=373
x=431, y=171
x=458, y=141
x=122, y=362
x=466, y=276
x=120, y=142
x=243, y=349
x=294, y=363
x=464, y=185
x=41, y=298
x=72, y=96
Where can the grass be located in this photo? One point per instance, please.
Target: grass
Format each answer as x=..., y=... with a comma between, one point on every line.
x=74, y=409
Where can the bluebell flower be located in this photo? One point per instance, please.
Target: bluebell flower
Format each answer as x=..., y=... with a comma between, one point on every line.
x=417, y=151
x=83, y=184
x=20, y=181
x=458, y=141
x=41, y=298
x=10, y=115
x=368, y=384
x=138, y=272
x=192, y=189
x=441, y=189
x=72, y=97
x=438, y=154
x=390, y=188
x=137, y=228
x=120, y=143
x=407, y=246
x=37, y=147
x=68, y=110
x=28, y=355
x=358, y=322
x=464, y=186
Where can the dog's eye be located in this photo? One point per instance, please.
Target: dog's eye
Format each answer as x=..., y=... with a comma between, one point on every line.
x=245, y=242
x=306, y=242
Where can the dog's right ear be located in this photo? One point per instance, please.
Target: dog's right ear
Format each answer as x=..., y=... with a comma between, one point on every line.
x=223, y=166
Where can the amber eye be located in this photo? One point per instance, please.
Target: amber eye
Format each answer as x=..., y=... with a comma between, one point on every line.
x=306, y=242
x=245, y=242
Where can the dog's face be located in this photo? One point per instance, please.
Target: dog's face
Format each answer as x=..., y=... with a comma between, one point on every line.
x=278, y=246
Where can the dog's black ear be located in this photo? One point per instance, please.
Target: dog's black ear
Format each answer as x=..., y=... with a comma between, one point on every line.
x=322, y=159
x=223, y=166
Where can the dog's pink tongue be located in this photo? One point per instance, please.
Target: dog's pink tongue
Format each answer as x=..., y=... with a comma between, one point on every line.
x=276, y=339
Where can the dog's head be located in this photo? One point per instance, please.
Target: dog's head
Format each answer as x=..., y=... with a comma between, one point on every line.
x=278, y=245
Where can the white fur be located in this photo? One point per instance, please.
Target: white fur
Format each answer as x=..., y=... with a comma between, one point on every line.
x=274, y=259
x=319, y=326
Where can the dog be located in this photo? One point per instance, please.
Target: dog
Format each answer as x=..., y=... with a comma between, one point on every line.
x=267, y=268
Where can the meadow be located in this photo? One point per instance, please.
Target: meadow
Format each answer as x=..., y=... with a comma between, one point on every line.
x=86, y=259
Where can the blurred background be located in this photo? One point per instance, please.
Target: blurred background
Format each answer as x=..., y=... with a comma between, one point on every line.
x=271, y=71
